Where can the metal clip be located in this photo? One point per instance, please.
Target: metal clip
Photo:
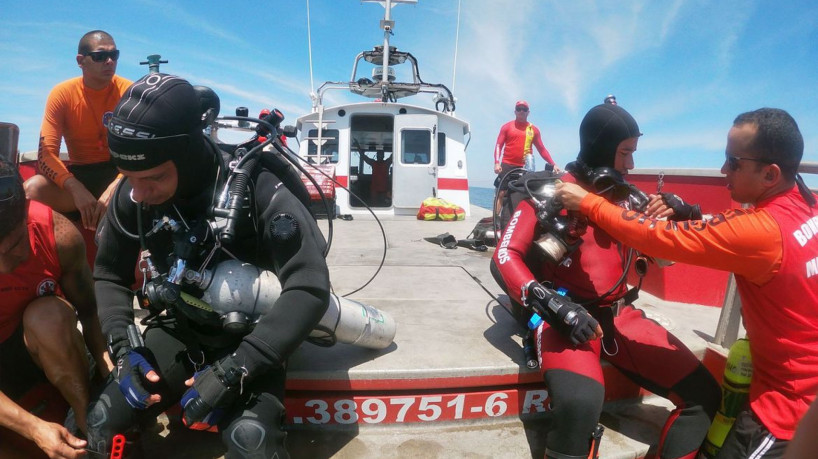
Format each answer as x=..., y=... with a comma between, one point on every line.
x=616, y=305
x=196, y=365
x=244, y=374
x=661, y=182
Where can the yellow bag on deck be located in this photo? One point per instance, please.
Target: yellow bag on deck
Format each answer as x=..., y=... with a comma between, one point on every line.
x=440, y=209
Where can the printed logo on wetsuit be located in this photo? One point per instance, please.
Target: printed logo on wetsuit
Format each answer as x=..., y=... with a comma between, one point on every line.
x=117, y=128
x=126, y=157
x=502, y=253
x=47, y=287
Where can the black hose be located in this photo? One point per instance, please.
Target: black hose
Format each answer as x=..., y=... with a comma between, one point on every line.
x=377, y=220
x=117, y=222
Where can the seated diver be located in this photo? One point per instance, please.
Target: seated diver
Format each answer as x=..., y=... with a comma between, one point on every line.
x=544, y=252
x=225, y=369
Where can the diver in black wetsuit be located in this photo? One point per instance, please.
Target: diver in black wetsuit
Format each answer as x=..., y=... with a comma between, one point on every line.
x=227, y=371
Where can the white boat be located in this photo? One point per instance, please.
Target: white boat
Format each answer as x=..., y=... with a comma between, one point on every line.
x=454, y=383
x=427, y=145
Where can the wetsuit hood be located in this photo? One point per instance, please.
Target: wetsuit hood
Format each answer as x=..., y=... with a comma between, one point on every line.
x=159, y=118
x=600, y=133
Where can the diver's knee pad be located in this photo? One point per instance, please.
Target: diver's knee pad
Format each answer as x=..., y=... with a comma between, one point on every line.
x=100, y=431
x=257, y=435
x=106, y=420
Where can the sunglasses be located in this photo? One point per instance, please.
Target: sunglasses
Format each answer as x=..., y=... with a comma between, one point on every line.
x=520, y=109
x=102, y=56
x=732, y=161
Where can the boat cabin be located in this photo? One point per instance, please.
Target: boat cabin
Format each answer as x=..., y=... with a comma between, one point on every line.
x=388, y=156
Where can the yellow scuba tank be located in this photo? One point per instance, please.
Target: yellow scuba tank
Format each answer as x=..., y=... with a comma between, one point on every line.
x=735, y=387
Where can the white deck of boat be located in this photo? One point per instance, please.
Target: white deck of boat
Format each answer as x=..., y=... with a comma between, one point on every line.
x=449, y=324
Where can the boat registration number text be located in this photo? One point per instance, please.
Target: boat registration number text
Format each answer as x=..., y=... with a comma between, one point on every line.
x=415, y=408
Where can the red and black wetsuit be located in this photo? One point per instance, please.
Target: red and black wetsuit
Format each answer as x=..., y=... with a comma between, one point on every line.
x=639, y=347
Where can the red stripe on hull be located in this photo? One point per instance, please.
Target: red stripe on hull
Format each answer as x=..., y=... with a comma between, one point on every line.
x=452, y=184
x=617, y=386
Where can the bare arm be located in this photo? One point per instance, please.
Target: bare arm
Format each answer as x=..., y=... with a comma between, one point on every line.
x=78, y=286
x=805, y=442
x=52, y=438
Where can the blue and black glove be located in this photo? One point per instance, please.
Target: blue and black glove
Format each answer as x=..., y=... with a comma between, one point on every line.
x=569, y=318
x=215, y=389
x=681, y=210
x=130, y=370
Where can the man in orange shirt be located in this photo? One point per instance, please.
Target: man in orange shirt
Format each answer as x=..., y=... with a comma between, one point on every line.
x=771, y=248
x=78, y=110
x=46, y=286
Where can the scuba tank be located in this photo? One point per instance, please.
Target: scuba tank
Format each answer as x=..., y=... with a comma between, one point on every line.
x=738, y=372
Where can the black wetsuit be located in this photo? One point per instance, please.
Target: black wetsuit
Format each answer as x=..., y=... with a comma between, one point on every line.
x=296, y=257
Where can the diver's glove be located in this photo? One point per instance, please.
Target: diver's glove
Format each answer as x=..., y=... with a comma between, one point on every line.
x=568, y=317
x=215, y=389
x=681, y=210
x=130, y=370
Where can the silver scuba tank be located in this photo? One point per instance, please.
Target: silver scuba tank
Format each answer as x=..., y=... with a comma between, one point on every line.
x=240, y=293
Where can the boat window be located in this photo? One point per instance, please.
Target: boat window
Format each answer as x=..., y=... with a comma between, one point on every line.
x=416, y=146
x=441, y=149
x=329, y=151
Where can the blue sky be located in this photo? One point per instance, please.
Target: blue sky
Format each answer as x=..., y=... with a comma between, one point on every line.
x=684, y=69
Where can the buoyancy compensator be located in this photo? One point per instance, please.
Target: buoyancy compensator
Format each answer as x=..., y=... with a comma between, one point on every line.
x=561, y=230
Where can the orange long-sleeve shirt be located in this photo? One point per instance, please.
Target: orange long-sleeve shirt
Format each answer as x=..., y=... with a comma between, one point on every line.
x=746, y=242
x=79, y=114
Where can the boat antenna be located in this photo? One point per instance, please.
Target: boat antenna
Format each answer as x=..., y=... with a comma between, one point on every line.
x=309, y=50
x=388, y=25
x=456, y=41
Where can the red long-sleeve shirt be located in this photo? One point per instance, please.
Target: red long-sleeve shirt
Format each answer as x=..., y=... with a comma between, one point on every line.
x=510, y=145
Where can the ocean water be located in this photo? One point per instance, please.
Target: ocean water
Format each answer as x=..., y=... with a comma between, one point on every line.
x=481, y=197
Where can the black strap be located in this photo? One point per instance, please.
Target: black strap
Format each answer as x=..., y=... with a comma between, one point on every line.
x=805, y=191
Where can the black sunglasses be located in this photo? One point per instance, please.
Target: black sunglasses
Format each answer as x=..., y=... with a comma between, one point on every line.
x=732, y=161
x=102, y=56
x=520, y=109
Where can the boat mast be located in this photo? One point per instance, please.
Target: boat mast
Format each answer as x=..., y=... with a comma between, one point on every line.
x=386, y=24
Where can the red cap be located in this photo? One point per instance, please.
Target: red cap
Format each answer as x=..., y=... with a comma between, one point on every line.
x=521, y=103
